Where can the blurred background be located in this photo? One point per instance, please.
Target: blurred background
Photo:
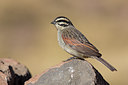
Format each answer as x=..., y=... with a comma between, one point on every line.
x=27, y=36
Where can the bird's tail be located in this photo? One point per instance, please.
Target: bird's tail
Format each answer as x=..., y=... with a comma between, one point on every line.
x=105, y=63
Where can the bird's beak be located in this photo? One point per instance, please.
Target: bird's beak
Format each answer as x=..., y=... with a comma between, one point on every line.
x=53, y=22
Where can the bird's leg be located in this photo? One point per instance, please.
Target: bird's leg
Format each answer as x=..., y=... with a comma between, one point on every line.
x=74, y=57
x=81, y=58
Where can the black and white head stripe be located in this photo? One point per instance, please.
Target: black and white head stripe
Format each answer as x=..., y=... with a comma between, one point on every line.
x=63, y=21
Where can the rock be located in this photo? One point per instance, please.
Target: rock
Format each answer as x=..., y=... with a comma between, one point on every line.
x=3, y=79
x=74, y=72
x=15, y=73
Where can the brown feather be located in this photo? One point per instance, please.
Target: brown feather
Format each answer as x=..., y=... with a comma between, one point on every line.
x=78, y=42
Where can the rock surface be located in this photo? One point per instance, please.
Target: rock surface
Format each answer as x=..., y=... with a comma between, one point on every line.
x=74, y=72
x=3, y=79
x=12, y=72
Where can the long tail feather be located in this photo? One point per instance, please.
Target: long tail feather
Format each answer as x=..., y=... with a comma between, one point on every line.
x=105, y=63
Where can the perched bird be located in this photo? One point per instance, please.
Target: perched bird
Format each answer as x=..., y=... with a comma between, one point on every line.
x=75, y=43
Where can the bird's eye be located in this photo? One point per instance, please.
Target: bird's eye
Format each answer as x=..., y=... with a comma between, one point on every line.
x=64, y=25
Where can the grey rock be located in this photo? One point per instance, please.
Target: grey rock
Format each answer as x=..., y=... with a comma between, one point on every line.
x=74, y=72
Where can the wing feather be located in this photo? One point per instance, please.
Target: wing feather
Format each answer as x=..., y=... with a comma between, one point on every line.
x=78, y=42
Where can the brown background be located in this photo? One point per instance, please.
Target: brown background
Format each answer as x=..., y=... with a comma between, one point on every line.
x=27, y=35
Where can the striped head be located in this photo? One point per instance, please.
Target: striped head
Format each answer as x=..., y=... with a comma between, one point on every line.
x=62, y=22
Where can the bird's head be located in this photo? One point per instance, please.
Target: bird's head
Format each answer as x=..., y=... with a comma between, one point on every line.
x=62, y=22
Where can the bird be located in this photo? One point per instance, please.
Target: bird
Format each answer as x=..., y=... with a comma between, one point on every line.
x=75, y=43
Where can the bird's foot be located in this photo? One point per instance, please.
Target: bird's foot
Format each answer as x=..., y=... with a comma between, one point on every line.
x=74, y=57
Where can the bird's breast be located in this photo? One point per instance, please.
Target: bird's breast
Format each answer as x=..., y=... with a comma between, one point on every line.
x=60, y=40
x=66, y=47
